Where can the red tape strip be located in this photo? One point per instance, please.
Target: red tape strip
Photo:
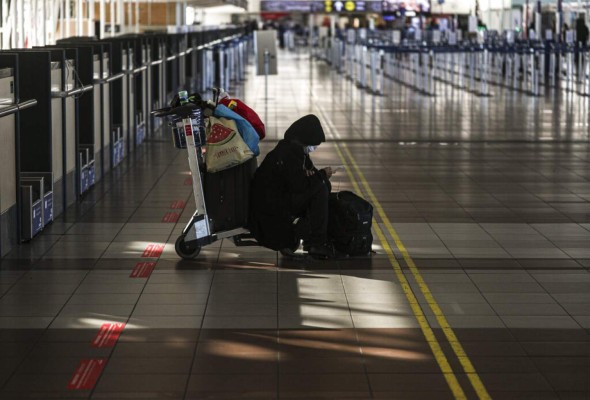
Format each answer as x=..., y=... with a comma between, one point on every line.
x=142, y=270
x=108, y=335
x=87, y=374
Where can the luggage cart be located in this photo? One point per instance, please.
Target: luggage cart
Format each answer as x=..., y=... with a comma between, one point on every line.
x=188, y=131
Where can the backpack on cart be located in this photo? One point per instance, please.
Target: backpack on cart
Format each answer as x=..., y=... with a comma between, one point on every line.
x=240, y=108
x=220, y=96
x=349, y=223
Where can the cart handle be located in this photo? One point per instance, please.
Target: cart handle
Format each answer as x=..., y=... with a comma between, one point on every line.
x=182, y=111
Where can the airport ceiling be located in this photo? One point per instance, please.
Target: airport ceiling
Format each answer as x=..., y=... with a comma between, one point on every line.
x=207, y=3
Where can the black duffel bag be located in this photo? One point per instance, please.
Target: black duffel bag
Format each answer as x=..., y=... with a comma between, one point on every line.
x=349, y=223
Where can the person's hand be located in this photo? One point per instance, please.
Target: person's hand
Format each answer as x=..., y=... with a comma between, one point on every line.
x=329, y=172
x=309, y=172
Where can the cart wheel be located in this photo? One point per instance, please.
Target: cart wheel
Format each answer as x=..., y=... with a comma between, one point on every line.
x=185, y=250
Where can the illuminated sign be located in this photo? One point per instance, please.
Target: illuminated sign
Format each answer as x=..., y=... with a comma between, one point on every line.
x=320, y=6
x=285, y=6
x=343, y=6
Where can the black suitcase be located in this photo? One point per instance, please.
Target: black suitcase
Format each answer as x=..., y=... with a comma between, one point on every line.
x=226, y=195
x=349, y=223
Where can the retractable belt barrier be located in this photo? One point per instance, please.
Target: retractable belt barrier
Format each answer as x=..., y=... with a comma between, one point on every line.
x=530, y=68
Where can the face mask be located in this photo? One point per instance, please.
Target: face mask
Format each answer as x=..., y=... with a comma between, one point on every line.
x=310, y=149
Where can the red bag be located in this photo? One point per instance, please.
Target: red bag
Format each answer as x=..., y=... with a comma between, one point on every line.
x=245, y=112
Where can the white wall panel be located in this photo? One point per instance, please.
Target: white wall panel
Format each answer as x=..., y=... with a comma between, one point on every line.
x=454, y=7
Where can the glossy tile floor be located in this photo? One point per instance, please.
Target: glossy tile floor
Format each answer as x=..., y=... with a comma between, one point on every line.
x=479, y=286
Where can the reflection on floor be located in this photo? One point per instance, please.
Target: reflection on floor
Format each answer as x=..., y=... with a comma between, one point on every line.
x=482, y=247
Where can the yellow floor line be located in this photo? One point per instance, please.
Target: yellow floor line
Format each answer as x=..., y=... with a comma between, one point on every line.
x=439, y=355
x=470, y=371
x=466, y=364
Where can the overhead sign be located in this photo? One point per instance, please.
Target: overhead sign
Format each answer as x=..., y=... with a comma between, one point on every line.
x=319, y=6
x=285, y=6
x=350, y=6
x=344, y=6
x=402, y=6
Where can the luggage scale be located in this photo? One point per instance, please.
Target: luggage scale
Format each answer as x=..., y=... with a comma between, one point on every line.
x=188, y=131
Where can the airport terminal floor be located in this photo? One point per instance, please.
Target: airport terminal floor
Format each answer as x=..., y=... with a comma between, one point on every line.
x=479, y=285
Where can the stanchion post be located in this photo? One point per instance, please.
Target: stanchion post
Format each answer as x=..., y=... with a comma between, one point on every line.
x=266, y=71
x=381, y=78
x=570, y=71
x=526, y=71
x=535, y=74
x=417, y=74
x=471, y=70
x=515, y=71
x=552, y=59
x=460, y=66
x=580, y=71
x=541, y=69
x=362, y=64
x=430, y=68
x=373, y=66
x=484, y=73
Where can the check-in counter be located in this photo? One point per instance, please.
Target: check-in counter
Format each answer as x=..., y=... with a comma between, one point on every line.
x=157, y=83
x=43, y=148
x=118, y=99
x=138, y=71
x=107, y=104
x=147, y=85
x=129, y=123
x=12, y=104
x=70, y=91
x=8, y=211
x=96, y=126
x=192, y=62
x=72, y=137
x=183, y=55
x=142, y=79
x=88, y=144
x=8, y=194
x=49, y=139
x=71, y=129
x=172, y=62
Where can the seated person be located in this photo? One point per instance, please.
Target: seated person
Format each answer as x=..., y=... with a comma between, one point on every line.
x=289, y=195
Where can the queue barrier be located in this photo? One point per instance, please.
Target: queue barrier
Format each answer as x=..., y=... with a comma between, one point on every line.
x=531, y=68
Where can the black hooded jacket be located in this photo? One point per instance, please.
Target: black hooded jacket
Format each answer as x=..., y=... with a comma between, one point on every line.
x=281, y=175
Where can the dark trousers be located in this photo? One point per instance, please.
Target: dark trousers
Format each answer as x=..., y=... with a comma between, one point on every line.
x=312, y=207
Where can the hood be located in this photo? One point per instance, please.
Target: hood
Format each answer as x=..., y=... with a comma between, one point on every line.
x=307, y=131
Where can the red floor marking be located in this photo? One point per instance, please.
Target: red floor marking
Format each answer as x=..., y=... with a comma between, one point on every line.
x=178, y=205
x=188, y=181
x=142, y=270
x=87, y=374
x=108, y=335
x=171, y=217
x=153, y=250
